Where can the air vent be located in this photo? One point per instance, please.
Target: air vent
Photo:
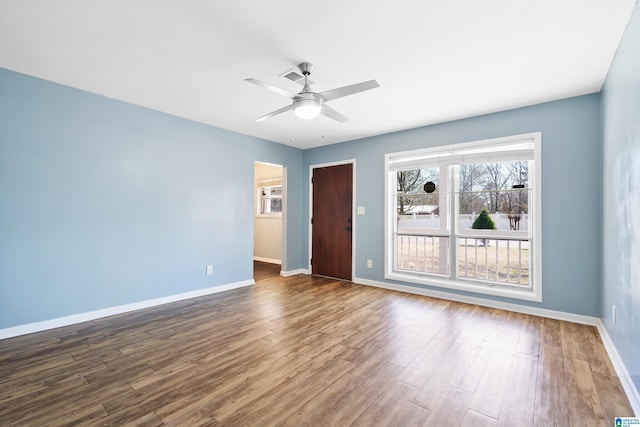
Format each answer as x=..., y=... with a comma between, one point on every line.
x=294, y=77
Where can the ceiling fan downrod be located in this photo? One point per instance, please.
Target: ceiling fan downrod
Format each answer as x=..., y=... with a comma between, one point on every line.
x=305, y=69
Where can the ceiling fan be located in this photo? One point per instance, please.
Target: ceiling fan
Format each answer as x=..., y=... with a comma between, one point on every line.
x=308, y=104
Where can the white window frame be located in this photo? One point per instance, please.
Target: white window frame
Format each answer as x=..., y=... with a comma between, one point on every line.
x=468, y=152
x=260, y=198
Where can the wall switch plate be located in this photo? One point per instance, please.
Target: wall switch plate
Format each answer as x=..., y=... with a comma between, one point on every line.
x=209, y=270
x=613, y=313
x=369, y=263
x=360, y=210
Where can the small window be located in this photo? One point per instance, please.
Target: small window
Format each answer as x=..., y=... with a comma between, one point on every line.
x=270, y=200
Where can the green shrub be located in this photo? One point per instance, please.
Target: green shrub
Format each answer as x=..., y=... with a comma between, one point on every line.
x=484, y=222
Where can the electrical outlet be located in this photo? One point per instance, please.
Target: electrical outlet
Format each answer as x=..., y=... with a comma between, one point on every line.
x=369, y=263
x=209, y=270
x=613, y=313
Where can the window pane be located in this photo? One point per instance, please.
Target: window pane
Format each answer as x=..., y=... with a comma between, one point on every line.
x=417, y=207
x=423, y=254
x=275, y=191
x=501, y=189
x=275, y=205
x=412, y=197
x=504, y=220
x=503, y=261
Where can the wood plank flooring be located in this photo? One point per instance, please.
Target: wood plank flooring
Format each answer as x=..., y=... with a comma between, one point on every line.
x=311, y=351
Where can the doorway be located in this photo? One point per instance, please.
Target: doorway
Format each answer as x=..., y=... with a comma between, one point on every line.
x=269, y=215
x=332, y=221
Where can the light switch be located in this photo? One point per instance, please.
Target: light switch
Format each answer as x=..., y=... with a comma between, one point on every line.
x=360, y=210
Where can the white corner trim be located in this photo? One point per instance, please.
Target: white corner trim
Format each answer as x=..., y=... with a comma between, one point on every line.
x=535, y=311
x=625, y=379
x=110, y=311
x=294, y=272
x=269, y=260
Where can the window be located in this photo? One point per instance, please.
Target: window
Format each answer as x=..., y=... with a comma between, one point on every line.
x=270, y=200
x=466, y=216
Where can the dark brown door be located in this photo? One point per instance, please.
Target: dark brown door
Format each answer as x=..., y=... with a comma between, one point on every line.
x=331, y=221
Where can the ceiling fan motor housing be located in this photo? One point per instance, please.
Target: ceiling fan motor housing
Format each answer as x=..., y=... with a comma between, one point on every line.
x=306, y=68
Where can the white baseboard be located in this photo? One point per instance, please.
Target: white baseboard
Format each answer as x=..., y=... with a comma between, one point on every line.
x=629, y=388
x=294, y=272
x=110, y=311
x=542, y=312
x=269, y=260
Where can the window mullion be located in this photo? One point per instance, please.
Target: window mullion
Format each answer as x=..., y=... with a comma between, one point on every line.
x=444, y=213
x=393, y=186
x=452, y=178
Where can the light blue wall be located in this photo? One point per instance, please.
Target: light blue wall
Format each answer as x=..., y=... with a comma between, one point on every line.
x=570, y=191
x=103, y=203
x=621, y=201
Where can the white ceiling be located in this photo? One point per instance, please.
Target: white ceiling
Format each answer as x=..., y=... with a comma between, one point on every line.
x=434, y=60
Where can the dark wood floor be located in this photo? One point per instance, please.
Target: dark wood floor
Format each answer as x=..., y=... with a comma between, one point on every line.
x=264, y=270
x=311, y=351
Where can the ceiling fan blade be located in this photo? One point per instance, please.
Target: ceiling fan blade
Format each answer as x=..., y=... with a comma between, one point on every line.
x=331, y=113
x=348, y=90
x=272, y=88
x=275, y=113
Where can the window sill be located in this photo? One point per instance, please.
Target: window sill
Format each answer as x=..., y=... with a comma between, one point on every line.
x=527, y=294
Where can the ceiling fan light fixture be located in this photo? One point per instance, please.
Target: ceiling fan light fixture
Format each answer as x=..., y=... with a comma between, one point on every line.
x=307, y=108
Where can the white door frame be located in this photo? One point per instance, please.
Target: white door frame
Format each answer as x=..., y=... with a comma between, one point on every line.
x=283, y=243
